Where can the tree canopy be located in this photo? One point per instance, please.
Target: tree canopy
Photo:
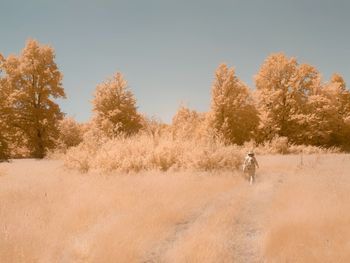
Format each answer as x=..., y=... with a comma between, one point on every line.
x=32, y=80
x=233, y=114
x=115, y=107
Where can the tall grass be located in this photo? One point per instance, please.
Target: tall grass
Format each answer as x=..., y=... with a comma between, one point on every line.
x=145, y=152
x=308, y=218
x=296, y=213
x=163, y=151
x=51, y=214
x=281, y=145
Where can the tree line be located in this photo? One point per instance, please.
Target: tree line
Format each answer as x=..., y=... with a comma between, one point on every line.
x=290, y=100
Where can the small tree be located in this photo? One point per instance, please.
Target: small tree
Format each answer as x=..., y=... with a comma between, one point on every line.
x=153, y=127
x=233, y=115
x=188, y=124
x=115, y=108
x=71, y=133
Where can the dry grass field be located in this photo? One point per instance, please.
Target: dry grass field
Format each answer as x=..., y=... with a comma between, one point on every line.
x=296, y=212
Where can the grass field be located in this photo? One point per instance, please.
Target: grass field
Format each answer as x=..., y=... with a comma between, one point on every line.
x=298, y=211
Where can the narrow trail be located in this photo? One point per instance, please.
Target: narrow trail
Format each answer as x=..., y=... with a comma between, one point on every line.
x=189, y=227
x=249, y=224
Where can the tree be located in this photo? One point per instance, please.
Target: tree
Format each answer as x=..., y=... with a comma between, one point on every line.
x=4, y=115
x=153, y=127
x=115, y=107
x=188, y=124
x=273, y=82
x=233, y=114
x=284, y=88
x=70, y=133
x=35, y=80
x=320, y=121
x=339, y=97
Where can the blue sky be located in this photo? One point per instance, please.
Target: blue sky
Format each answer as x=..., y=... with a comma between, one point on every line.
x=168, y=50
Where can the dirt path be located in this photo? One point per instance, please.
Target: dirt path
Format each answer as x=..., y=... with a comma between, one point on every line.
x=249, y=228
x=249, y=225
x=183, y=231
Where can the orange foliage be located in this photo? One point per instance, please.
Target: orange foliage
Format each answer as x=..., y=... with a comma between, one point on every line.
x=31, y=81
x=233, y=114
x=115, y=108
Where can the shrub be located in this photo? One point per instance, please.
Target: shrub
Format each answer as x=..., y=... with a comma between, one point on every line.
x=145, y=152
x=163, y=152
x=279, y=145
x=70, y=133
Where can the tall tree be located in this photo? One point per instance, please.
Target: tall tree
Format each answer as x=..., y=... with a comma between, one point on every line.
x=233, y=115
x=339, y=97
x=35, y=81
x=4, y=115
x=115, y=107
x=284, y=88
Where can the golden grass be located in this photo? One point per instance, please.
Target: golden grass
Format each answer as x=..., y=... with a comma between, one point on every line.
x=308, y=220
x=49, y=214
x=143, y=152
x=167, y=152
x=295, y=213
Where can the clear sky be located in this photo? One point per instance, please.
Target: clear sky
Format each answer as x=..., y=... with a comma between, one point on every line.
x=168, y=50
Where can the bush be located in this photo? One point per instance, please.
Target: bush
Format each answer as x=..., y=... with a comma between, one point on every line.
x=145, y=152
x=278, y=145
x=70, y=133
x=159, y=149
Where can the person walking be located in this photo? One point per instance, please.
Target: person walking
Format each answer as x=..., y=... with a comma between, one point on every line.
x=249, y=165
